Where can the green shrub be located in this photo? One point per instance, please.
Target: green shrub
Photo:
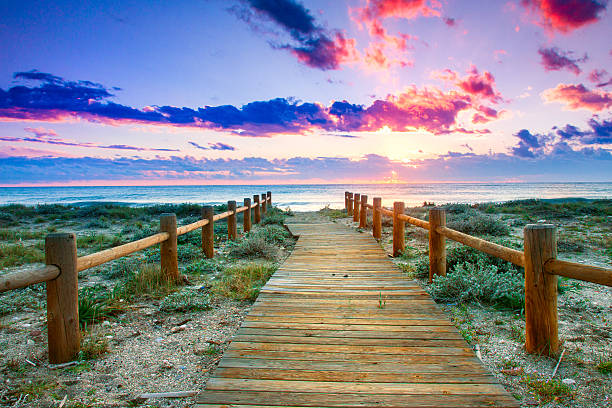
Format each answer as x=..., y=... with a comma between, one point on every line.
x=93, y=346
x=22, y=300
x=188, y=253
x=274, y=234
x=186, y=300
x=148, y=281
x=243, y=282
x=273, y=216
x=605, y=366
x=547, y=389
x=122, y=268
x=95, y=305
x=98, y=241
x=481, y=283
x=204, y=266
x=333, y=213
x=19, y=254
x=12, y=235
x=255, y=247
x=465, y=254
x=477, y=224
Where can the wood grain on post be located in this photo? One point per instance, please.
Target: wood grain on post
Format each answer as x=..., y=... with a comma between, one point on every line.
x=377, y=218
x=63, y=298
x=264, y=204
x=168, y=248
x=363, y=214
x=232, y=229
x=257, y=209
x=208, y=231
x=246, y=223
x=437, y=243
x=356, y=203
x=398, y=228
x=541, y=326
x=346, y=200
x=350, y=205
x=269, y=195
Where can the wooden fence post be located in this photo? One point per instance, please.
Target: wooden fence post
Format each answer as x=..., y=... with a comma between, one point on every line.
x=231, y=221
x=208, y=232
x=349, y=210
x=437, y=243
x=541, y=326
x=356, y=198
x=168, y=248
x=377, y=218
x=63, y=298
x=346, y=193
x=363, y=215
x=398, y=229
x=264, y=204
x=257, y=209
x=269, y=195
x=246, y=223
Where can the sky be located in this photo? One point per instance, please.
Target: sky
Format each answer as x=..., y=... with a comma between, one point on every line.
x=138, y=92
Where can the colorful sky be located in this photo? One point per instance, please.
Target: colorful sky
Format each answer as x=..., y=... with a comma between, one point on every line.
x=138, y=92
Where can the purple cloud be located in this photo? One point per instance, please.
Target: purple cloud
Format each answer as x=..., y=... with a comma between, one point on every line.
x=311, y=44
x=531, y=145
x=554, y=59
x=49, y=136
x=213, y=146
x=431, y=109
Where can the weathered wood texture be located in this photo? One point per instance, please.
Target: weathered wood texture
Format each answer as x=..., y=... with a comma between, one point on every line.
x=208, y=231
x=64, y=334
x=168, y=248
x=399, y=227
x=437, y=243
x=377, y=218
x=232, y=230
x=257, y=209
x=338, y=325
x=356, y=206
x=246, y=224
x=363, y=215
x=541, y=327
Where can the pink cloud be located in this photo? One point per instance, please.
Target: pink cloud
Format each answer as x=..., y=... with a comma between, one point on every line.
x=565, y=15
x=579, y=97
x=474, y=83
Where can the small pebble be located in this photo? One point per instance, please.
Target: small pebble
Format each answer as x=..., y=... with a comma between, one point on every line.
x=568, y=381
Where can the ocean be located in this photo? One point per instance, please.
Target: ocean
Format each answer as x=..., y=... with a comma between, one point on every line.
x=306, y=197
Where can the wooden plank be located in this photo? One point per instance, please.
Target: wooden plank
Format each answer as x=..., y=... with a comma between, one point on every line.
x=256, y=399
x=338, y=325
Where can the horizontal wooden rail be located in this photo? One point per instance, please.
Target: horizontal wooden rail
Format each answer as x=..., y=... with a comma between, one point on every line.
x=414, y=221
x=499, y=251
x=241, y=209
x=222, y=215
x=191, y=227
x=539, y=259
x=27, y=277
x=98, y=258
x=386, y=211
x=575, y=270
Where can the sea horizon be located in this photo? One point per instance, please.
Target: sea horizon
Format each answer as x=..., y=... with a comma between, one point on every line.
x=307, y=197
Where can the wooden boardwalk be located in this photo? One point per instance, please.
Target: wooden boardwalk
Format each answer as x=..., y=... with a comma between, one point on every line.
x=320, y=335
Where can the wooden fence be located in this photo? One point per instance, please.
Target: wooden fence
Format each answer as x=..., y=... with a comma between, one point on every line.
x=63, y=265
x=539, y=258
